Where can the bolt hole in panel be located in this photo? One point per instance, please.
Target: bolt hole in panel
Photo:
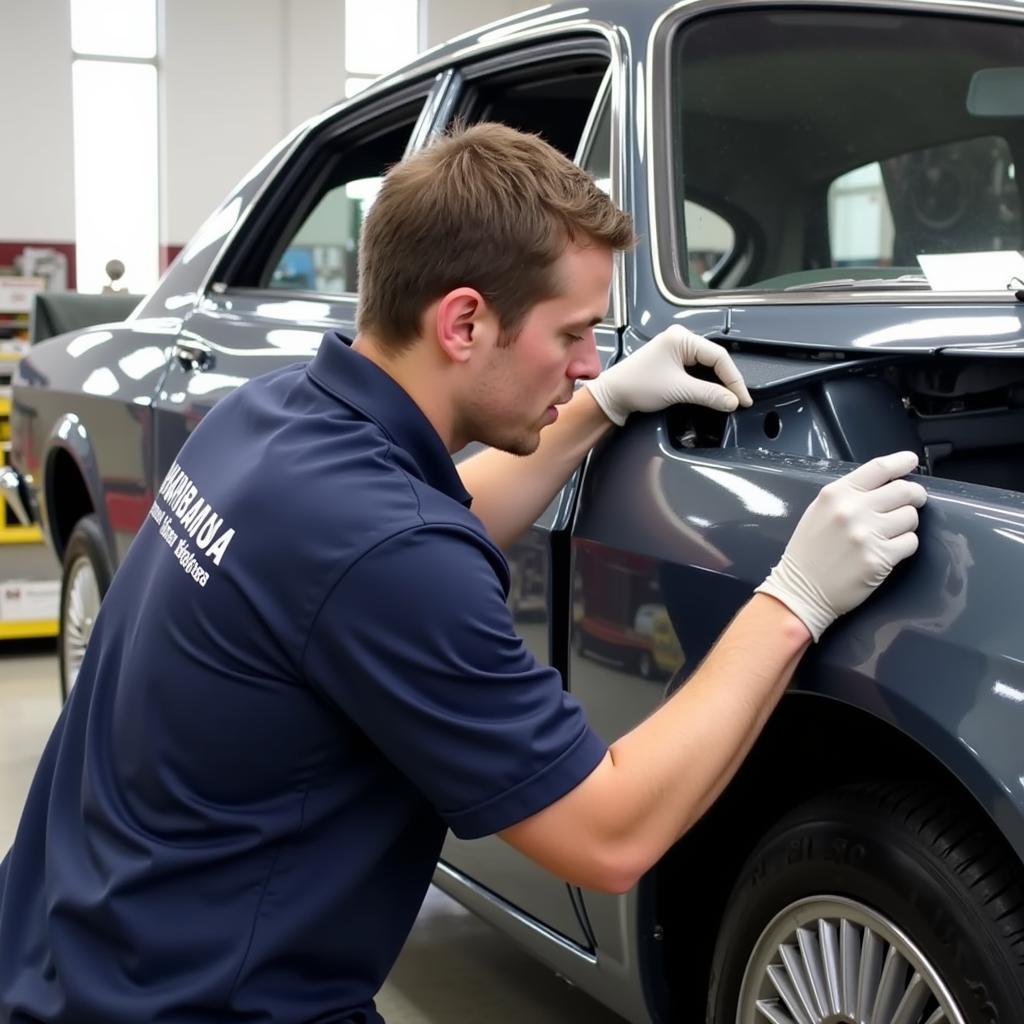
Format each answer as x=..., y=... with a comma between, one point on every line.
x=851, y=419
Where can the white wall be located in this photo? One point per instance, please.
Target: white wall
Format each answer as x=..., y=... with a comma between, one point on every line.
x=238, y=75
x=37, y=196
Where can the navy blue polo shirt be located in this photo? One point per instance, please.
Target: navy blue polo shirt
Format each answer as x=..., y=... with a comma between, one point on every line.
x=304, y=672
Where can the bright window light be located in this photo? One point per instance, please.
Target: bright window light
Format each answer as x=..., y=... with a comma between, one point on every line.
x=355, y=85
x=116, y=194
x=114, y=28
x=379, y=34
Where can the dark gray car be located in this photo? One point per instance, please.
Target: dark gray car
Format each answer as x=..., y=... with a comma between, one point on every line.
x=803, y=176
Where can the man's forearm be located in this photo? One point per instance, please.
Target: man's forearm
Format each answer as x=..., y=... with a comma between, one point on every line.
x=510, y=491
x=658, y=779
x=677, y=762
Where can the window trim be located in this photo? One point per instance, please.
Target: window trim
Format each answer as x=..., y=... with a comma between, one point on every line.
x=606, y=93
x=659, y=149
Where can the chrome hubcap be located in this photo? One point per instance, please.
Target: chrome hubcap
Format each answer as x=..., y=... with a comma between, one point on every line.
x=81, y=606
x=831, y=960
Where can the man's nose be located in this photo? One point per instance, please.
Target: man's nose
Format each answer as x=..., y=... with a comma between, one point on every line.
x=588, y=365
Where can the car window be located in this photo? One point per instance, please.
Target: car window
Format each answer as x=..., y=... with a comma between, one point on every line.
x=960, y=197
x=596, y=155
x=308, y=241
x=863, y=155
x=552, y=98
x=322, y=255
x=710, y=241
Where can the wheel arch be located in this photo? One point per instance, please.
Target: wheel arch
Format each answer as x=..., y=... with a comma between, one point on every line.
x=803, y=752
x=72, y=487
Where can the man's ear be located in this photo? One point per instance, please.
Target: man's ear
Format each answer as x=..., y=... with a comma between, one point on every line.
x=462, y=321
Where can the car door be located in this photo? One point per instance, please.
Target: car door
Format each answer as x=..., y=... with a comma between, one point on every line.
x=517, y=89
x=289, y=274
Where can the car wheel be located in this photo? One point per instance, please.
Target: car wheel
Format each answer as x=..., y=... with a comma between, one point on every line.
x=86, y=577
x=890, y=904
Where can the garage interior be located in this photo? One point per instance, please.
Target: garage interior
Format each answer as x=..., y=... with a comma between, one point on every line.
x=171, y=132
x=481, y=675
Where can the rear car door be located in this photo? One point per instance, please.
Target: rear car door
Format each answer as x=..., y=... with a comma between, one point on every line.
x=567, y=91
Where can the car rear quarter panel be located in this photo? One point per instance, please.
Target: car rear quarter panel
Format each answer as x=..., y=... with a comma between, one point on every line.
x=85, y=397
x=937, y=652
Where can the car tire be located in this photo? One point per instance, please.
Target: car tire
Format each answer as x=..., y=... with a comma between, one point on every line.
x=926, y=874
x=84, y=582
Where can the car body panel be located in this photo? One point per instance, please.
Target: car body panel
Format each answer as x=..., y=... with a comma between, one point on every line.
x=714, y=522
x=86, y=387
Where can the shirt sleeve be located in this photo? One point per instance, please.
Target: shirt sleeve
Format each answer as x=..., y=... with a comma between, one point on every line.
x=416, y=645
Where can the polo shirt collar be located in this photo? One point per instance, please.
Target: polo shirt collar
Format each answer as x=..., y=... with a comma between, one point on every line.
x=364, y=386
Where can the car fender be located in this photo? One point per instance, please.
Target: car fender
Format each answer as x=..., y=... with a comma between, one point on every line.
x=937, y=651
x=70, y=436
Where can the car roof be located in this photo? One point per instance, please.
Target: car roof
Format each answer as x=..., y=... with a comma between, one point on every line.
x=638, y=17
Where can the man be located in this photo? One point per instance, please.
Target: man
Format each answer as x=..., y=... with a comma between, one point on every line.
x=305, y=670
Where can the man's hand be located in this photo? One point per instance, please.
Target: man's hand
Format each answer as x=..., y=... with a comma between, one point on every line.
x=848, y=541
x=655, y=377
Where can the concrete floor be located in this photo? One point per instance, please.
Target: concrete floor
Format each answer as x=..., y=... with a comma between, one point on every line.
x=454, y=967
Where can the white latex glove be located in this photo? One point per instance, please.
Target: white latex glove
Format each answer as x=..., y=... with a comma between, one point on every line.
x=654, y=377
x=848, y=541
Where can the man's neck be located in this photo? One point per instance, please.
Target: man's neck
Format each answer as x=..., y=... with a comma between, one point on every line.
x=413, y=371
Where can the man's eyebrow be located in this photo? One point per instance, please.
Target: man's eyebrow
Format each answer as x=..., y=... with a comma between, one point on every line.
x=583, y=324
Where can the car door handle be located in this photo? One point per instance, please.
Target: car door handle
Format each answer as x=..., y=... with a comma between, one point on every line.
x=193, y=355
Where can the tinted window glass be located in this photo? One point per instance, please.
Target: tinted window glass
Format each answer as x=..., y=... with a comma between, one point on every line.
x=552, y=100
x=322, y=255
x=961, y=197
x=710, y=240
x=840, y=141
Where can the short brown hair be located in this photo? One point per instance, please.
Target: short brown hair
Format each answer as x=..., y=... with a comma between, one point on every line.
x=485, y=207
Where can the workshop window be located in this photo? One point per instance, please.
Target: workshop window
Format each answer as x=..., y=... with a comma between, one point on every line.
x=380, y=35
x=114, y=81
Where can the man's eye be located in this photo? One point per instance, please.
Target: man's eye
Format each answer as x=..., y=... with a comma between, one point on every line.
x=574, y=337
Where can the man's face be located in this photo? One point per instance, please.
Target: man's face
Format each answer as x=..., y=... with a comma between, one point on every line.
x=519, y=386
